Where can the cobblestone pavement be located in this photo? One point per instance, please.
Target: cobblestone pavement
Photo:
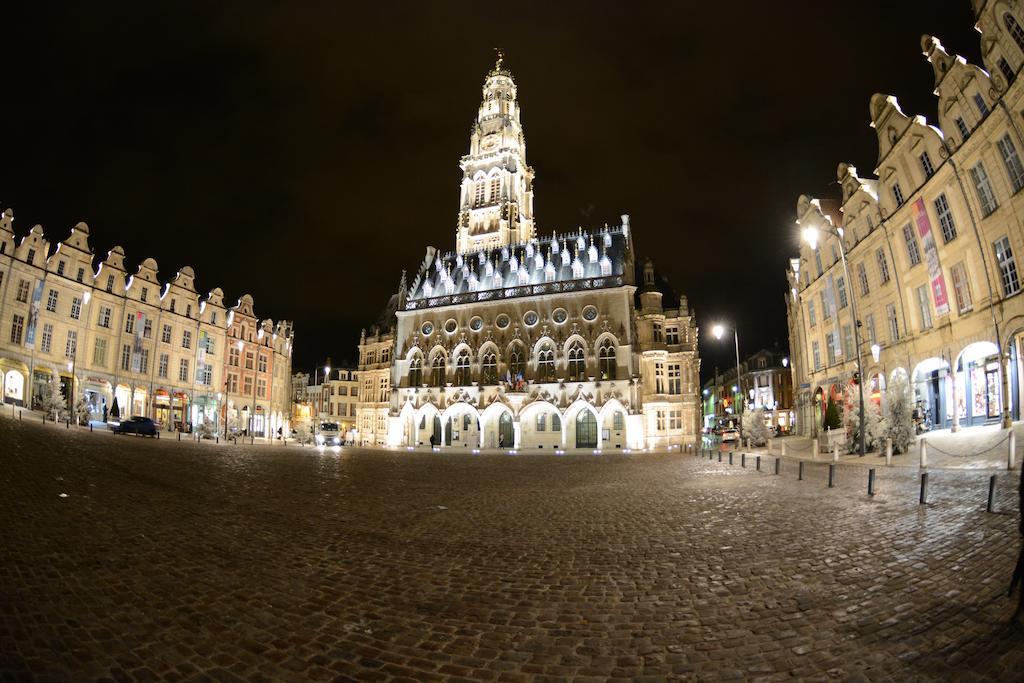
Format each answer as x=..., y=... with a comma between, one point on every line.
x=130, y=558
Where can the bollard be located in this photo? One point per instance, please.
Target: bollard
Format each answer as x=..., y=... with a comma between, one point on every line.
x=179, y=436
x=67, y=424
x=888, y=451
x=743, y=459
x=991, y=493
x=923, y=500
x=782, y=448
x=19, y=415
x=719, y=456
x=730, y=457
x=831, y=474
x=90, y=427
x=216, y=439
x=814, y=448
x=924, y=452
x=158, y=435
x=1011, y=456
x=835, y=452
x=800, y=472
x=758, y=463
x=777, y=465
x=871, y=481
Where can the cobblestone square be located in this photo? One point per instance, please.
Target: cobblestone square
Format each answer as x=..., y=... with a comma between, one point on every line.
x=135, y=559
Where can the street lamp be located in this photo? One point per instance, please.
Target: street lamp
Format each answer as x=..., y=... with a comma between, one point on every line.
x=810, y=235
x=718, y=330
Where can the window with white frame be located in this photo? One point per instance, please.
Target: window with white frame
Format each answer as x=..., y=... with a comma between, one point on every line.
x=816, y=354
x=51, y=300
x=23, y=287
x=924, y=306
x=186, y=339
x=862, y=275
x=103, y=318
x=945, y=218
x=926, y=165
x=962, y=288
x=897, y=194
x=913, y=252
x=110, y=282
x=986, y=196
x=894, y=323
x=99, y=352
x=72, y=344
x=826, y=310
x=675, y=385
x=478, y=192
x=961, y=126
x=812, y=320
x=46, y=341
x=1007, y=266
x=841, y=291
x=659, y=378
x=1011, y=160
x=126, y=357
x=162, y=363
x=869, y=323
x=144, y=361
x=979, y=102
x=830, y=347
x=883, y=265
x=848, y=345
x=17, y=328
x=165, y=334
x=183, y=370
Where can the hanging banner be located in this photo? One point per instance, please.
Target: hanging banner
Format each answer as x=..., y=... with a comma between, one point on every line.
x=931, y=254
x=140, y=322
x=33, y=316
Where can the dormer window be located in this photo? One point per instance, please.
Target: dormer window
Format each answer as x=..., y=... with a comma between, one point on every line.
x=979, y=102
x=110, y=282
x=962, y=127
x=897, y=194
x=926, y=165
x=60, y=267
x=81, y=274
x=144, y=294
x=31, y=256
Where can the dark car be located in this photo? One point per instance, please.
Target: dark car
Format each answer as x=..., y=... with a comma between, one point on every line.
x=136, y=425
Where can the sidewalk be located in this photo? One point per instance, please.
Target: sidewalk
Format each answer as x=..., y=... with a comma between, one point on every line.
x=972, y=448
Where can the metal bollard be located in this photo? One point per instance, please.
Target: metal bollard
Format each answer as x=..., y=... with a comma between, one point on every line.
x=888, y=451
x=758, y=463
x=67, y=424
x=924, y=452
x=19, y=415
x=719, y=456
x=814, y=448
x=831, y=475
x=730, y=457
x=991, y=494
x=90, y=427
x=777, y=465
x=216, y=439
x=179, y=436
x=158, y=435
x=1011, y=456
x=800, y=472
x=743, y=459
x=923, y=500
x=871, y=481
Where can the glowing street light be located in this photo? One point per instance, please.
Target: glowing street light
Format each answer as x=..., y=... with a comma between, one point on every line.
x=718, y=330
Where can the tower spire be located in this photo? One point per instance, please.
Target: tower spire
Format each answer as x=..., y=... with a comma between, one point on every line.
x=496, y=202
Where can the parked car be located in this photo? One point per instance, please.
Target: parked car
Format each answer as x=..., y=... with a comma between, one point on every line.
x=136, y=425
x=730, y=435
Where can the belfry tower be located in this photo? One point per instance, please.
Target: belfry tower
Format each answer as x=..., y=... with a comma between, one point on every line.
x=496, y=202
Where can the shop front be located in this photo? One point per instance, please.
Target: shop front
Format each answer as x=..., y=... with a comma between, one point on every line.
x=14, y=385
x=932, y=393
x=979, y=384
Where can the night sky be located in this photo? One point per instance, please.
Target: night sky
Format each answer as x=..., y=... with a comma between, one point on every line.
x=307, y=153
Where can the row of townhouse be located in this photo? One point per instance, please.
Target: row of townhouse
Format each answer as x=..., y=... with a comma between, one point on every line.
x=129, y=344
x=930, y=246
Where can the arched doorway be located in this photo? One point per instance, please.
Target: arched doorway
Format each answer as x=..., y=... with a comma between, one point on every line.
x=14, y=387
x=931, y=391
x=586, y=430
x=437, y=430
x=506, y=434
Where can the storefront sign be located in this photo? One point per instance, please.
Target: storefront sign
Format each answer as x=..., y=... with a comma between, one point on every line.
x=33, y=316
x=931, y=254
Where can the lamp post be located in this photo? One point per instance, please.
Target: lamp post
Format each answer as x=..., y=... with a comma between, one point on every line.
x=718, y=330
x=810, y=235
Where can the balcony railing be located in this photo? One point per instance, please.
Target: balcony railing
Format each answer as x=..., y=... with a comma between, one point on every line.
x=515, y=292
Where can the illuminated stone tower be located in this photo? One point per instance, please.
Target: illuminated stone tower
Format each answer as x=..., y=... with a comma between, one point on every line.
x=496, y=203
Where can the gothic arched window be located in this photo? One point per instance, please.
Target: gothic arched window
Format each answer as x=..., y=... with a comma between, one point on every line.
x=516, y=362
x=577, y=362
x=1016, y=32
x=416, y=372
x=478, y=192
x=495, y=190
x=489, y=368
x=606, y=359
x=546, y=364
x=462, y=368
x=437, y=370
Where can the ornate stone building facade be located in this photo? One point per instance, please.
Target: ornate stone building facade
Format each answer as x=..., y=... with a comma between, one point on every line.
x=159, y=349
x=931, y=244
x=517, y=340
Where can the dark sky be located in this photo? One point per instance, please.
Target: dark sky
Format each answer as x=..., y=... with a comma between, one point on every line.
x=307, y=152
